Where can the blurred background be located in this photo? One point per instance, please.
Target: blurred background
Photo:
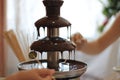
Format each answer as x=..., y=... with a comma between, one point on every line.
x=88, y=17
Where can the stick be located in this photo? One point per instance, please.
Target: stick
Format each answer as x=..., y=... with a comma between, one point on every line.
x=13, y=42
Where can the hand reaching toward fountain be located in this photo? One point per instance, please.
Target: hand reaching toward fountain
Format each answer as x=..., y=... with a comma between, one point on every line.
x=34, y=74
x=79, y=41
x=101, y=43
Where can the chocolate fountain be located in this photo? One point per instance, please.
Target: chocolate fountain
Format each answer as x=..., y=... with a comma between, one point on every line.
x=54, y=46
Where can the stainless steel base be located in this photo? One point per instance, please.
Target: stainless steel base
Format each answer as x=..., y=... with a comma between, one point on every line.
x=69, y=70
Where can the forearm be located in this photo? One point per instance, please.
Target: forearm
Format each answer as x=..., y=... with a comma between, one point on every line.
x=96, y=46
x=91, y=48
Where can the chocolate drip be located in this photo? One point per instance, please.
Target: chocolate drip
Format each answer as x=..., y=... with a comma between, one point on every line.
x=44, y=30
x=70, y=32
x=74, y=54
x=38, y=33
x=67, y=32
x=61, y=54
x=41, y=55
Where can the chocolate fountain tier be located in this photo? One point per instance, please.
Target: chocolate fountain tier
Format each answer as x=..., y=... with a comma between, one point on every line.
x=54, y=22
x=52, y=44
x=66, y=70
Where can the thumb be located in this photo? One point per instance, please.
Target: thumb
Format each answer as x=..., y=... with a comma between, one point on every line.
x=47, y=78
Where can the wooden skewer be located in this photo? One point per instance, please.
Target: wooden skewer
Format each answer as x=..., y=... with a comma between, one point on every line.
x=13, y=42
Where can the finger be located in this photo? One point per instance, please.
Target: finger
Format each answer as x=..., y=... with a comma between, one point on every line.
x=46, y=72
x=84, y=41
x=76, y=36
x=80, y=44
x=47, y=78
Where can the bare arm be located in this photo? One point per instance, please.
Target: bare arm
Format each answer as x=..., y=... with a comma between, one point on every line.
x=34, y=74
x=96, y=46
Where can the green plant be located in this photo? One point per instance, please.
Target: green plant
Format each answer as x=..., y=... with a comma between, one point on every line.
x=112, y=7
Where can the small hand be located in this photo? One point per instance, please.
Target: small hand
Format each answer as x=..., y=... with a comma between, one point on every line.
x=34, y=74
x=78, y=39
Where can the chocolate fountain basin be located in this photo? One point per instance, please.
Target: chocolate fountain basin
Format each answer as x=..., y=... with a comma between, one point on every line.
x=67, y=70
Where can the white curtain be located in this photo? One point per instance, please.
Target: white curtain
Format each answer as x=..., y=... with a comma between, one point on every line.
x=85, y=16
